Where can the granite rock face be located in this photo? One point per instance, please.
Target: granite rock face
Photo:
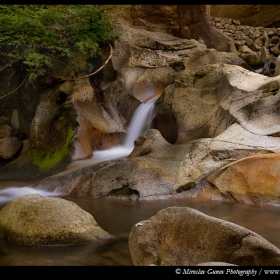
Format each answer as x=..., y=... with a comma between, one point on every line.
x=219, y=116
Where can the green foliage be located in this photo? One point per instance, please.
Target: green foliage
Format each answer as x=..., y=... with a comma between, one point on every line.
x=46, y=159
x=35, y=35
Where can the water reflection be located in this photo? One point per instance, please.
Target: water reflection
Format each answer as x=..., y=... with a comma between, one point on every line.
x=118, y=216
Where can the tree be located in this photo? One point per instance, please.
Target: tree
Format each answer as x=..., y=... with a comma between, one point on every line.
x=34, y=37
x=183, y=21
x=195, y=23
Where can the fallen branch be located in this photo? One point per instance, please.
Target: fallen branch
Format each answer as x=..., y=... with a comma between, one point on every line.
x=70, y=69
x=16, y=88
x=4, y=67
x=73, y=79
x=102, y=66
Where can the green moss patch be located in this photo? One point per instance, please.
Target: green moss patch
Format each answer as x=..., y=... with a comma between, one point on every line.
x=186, y=187
x=46, y=159
x=125, y=191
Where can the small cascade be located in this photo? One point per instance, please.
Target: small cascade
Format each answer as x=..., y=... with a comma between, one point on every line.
x=141, y=121
x=14, y=191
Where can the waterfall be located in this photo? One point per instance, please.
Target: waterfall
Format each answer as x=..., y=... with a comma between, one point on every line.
x=140, y=121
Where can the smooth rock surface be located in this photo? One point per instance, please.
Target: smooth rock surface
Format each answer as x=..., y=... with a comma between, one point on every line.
x=37, y=220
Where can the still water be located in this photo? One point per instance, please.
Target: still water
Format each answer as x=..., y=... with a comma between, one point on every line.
x=118, y=216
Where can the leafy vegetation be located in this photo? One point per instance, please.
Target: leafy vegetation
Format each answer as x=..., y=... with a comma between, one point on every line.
x=36, y=36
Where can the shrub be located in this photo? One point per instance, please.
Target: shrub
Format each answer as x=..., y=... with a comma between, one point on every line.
x=34, y=36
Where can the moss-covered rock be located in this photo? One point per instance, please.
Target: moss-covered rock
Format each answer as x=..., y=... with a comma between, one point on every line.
x=47, y=158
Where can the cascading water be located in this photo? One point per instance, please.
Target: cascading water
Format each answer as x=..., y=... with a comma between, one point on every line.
x=141, y=121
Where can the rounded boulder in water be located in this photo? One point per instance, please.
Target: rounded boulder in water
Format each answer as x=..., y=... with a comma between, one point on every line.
x=37, y=220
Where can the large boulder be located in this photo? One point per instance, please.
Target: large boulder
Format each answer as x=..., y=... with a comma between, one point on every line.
x=254, y=179
x=181, y=236
x=99, y=125
x=156, y=168
x=236, y=143
x=206, y=102
x=37, y=220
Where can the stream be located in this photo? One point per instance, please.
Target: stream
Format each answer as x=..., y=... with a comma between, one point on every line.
x=118, y=216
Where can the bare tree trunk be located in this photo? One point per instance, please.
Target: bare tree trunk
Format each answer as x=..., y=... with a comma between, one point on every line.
x=183, y=21
x=195, y=23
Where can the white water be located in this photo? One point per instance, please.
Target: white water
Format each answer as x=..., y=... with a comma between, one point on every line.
x=11, y=193
x=141, y=121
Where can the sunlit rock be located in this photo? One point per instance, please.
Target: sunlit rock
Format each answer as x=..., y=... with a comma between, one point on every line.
x=252, y=180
